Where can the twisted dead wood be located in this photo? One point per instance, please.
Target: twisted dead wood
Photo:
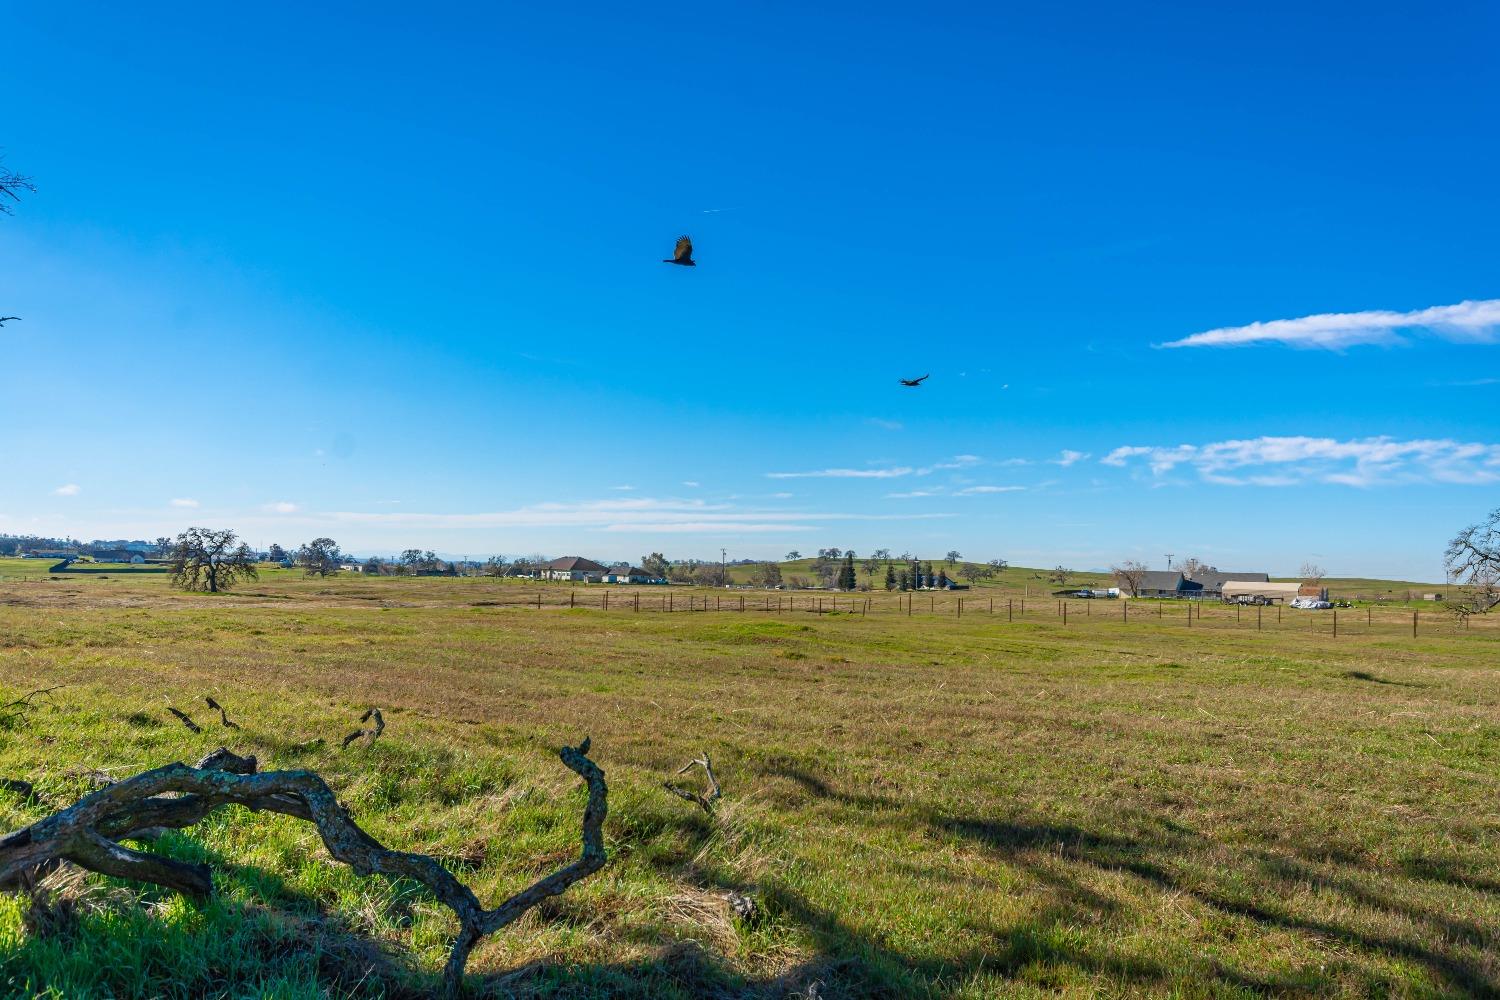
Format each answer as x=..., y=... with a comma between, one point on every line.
x=177, y=796
x=186, y=720
x=374, y=733
x=705, y=800
x=223, y=715
x=16, y=709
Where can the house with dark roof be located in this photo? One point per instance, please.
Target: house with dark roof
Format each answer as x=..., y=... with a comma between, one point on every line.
x=1206, y=585
x=574, y=568
x=626, y=573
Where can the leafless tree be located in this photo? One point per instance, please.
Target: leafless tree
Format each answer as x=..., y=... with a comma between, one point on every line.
x=1312, y=573
x=12, y=185
x=1192, y=566
x=206, y=559
x=1473, y=560
x=1129, y=574
x=1060, y=575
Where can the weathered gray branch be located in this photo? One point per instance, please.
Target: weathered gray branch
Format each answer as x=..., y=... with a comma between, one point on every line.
x=22, y=705
x=176, y=796
x=186, y=720
x=223, y=715
x=374, y=733
x=704, y=801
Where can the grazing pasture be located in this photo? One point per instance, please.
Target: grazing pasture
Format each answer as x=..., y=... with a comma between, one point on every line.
x=925, y=806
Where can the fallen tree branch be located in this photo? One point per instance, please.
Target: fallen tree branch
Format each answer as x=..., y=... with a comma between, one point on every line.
x=223, y=715
x=374, y=734
x=22, y=788
x=186, y=720
x=177, y=796
x=702, y=800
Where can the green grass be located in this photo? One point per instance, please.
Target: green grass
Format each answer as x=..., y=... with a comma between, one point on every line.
x=924, y=806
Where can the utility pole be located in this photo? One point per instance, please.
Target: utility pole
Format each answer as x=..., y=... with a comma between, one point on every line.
x=723, y=567
x=1169, y=560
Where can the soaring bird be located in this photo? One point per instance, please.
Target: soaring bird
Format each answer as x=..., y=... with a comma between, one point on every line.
x=684, y=253
x=914, y=382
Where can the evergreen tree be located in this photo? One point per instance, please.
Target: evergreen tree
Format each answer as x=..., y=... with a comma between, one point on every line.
x=846, y=573
x=905, y=581
x=942, y=579
x=890, y=577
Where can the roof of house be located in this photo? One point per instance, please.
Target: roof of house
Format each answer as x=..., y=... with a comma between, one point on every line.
x=1215, y=580
x=625, y=569
x=578, y=563
x=1161, y=579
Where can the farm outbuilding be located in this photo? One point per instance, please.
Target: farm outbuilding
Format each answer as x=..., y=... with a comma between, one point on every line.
x=1233, y=589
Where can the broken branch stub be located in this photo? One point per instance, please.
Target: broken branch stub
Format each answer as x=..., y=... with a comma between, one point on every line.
x=177, y=796
x=186, y=720
x=223, y=715
x=705, y=800
x=374, y=733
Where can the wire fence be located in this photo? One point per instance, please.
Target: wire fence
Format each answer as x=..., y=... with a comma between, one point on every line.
x=1354, y=621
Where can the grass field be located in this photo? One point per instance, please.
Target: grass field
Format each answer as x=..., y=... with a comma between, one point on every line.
x=924, y=806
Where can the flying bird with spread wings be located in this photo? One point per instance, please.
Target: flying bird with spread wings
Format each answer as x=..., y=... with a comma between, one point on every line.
x=912, y=383
x=683, y=254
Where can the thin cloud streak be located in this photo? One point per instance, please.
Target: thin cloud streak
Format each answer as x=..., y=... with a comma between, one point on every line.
x=1473, y=322
x=1290, y=461
x=891, y=472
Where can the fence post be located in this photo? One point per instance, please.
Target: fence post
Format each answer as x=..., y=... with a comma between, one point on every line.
x=1335, y=623
x=1023, y=607
x=1414, y=623
x=1257, y=617
x=1124, y=611
x=669, y=602
x=638, y=603
x=960, y=607
x=606, y=601
x=1010, y=610
x=1369, y=617
x=992, y=605
x=1190, y=615
x=1065, y=612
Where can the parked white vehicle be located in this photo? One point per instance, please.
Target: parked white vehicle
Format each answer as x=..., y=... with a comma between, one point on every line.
x=1310, y=604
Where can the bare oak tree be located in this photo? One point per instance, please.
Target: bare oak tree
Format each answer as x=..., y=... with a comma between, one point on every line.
x=1312, y=573
x=206, y=559
x=1473, y=560
x=1129, y=575
x=11, y=186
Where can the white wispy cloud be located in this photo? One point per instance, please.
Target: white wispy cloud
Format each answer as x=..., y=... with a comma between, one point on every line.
x=68, y=490
x=691, y=484
x=913, y=494
x=1470, y=322
x=969, y=491
x=892, y=473
x=281, y=507
x=623, y=488
x=183, y=502
x=1289, y=461
x=888, y=472
x=885, y=425
x=1068, y=457
x=642, y=514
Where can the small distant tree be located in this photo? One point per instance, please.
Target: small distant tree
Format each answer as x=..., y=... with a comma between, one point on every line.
x=211, y=560
x=276, y=553
x=495, y=566
x=846, y=573
x=1060, y=575
x=884, y=555
x=890, y=577
x=952, y=557
x=1312, y=573
x=766, y=574
x=320, y=557
x=871, y=564
x=793, y=555
x=997, y=565
x=1129, y=575
x=374, y=566
x=1473, y=560
x=905, y=581
x=656, y=566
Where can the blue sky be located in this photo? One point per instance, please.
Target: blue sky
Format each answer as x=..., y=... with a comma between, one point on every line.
x=392, y=274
